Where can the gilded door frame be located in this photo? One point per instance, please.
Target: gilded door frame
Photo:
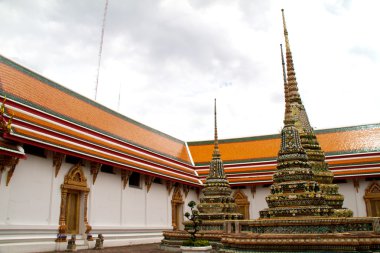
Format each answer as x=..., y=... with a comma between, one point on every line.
x=75, y=180
x=177, y=201
x=241, y=200
x=371, y=193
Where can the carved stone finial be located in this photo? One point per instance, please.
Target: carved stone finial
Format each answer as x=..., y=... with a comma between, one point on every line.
x=95, y=168
x=5, y=120
x=11, y=162
x=169, y=186
x=125, y=174
x=356, y=183
x=253, y=190
x=148, y=182
x=57, y=161
x=2, y=107
x=185, y=189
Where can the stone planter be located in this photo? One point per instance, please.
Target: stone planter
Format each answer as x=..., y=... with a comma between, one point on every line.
x=190, y=249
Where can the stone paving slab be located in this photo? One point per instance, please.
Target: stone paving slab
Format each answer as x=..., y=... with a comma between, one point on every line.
x=144, y=248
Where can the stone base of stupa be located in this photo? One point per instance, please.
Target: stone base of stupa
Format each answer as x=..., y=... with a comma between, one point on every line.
x=173, y=239
x=212, y=231
x=304, y=235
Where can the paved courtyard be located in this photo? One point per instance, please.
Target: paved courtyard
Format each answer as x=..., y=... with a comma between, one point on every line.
x=145, y=248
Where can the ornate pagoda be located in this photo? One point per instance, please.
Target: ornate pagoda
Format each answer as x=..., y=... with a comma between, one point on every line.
x=294, y=191
x=295, y=111
x=216, y=206
x=302, y=183
x=304, y=211
x=216, y=202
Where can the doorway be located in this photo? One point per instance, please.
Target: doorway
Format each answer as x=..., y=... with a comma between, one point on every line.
x=372, y=199
x=177, y=209
x=242, y=203
x=73, y=213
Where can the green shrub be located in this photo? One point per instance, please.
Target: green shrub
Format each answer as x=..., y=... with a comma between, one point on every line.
x=201, y=243
x=196, y=243
x=194, y=227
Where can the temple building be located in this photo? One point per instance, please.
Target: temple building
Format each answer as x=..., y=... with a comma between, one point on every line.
x=70, y=166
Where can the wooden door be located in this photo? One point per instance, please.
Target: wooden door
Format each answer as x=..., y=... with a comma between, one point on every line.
x=72, y=212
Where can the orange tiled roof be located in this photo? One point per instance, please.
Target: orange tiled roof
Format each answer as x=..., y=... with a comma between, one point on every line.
x=333, y=141
x=53, y=98
x=350, y=152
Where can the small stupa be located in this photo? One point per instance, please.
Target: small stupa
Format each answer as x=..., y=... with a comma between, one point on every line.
x=216, y=202
x=216, y=207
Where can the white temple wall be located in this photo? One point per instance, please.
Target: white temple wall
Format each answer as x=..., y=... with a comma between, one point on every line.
x=350, y=196
x=134, y=199
x=191, y=196
x=30, y=207
x=354, y=197
x=56, y=189
x=257, y=202
x=361, y=208
x=106, y=201
x=156, y=206
x=4, y=198
x=26, y=200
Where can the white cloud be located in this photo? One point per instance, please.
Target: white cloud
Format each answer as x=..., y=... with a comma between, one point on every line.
x=170, y=59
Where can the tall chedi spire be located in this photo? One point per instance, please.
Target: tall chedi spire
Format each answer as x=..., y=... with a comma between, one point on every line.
x=294, y=192
x=287, y=104
x=295, y=110
x=216, y=202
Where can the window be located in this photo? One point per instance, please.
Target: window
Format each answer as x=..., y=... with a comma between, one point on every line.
x=73, y=160
x=339, y=181
x=237, y=187
x=34, y=150
x=372, y=199
x=134, y=180
x=107, y=169
x=157, y=180
x=372, y=179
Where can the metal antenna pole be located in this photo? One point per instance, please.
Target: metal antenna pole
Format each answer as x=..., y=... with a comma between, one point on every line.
x=101, y=49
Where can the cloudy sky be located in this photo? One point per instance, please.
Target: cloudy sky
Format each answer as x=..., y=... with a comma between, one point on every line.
x=169, y=59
